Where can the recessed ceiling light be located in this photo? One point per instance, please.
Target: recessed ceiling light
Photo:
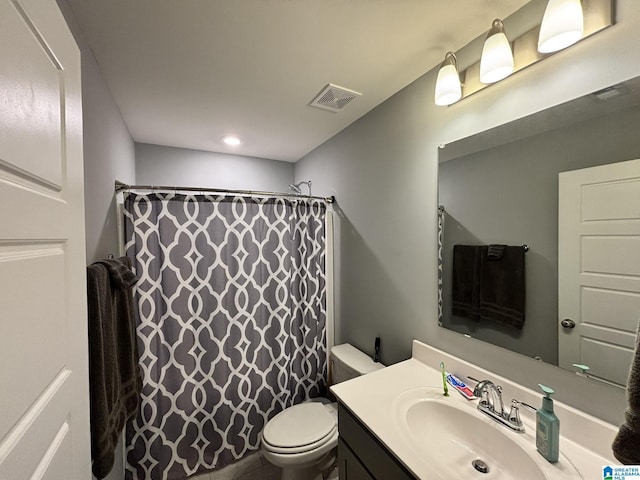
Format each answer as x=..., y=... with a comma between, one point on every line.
x=231, y=140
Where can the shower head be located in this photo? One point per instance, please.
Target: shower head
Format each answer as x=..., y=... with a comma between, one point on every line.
x=296, y=187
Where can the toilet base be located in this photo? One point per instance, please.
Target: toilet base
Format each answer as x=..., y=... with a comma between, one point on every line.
x=311, y=472
x=301, y=474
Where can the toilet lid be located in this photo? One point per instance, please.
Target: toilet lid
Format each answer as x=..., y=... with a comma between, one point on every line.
x=299, y=425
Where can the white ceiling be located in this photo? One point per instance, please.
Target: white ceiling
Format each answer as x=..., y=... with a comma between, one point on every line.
x=185, y=73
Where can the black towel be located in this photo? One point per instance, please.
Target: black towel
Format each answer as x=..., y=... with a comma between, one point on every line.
x=114, y=378
x=502, y=284
x=466, y=280
x=495, y=252
x=626, y=445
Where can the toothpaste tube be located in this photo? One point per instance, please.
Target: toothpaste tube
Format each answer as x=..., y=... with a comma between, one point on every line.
x=460, y=386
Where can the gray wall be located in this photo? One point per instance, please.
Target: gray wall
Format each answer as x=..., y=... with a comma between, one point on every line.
x=169, y=166
x=509, y=194
x=108, y=156
x=108, y=152
x=383, y=170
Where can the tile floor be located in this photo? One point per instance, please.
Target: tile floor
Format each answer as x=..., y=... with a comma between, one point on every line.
x=253, y=467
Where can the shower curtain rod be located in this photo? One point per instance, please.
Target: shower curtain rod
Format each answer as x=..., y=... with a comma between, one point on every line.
x=119, y=186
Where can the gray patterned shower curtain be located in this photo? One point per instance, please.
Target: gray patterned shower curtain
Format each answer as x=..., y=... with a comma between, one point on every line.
x=231, y=327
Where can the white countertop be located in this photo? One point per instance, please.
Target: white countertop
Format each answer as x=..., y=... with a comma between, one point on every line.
x=371, y=399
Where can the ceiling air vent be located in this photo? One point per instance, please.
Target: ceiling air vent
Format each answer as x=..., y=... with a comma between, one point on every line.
x=610, y=92
x=334, y=98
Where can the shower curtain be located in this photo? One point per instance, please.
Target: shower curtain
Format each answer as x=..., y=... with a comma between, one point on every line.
x=231, y=327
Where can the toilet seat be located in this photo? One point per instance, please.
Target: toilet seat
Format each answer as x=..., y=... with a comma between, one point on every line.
x=301, y=428
x=330, y=438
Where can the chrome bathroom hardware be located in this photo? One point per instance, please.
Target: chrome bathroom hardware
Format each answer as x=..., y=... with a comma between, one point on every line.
x=491, y=404
x=120, y=186
x=514, y=414
x=296, y=187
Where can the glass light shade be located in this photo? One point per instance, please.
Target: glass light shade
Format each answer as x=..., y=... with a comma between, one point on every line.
x=496, y=62
x=562, y=25
x=448, y=88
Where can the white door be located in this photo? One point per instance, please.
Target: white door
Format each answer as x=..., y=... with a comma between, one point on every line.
x=599, y=268
x=44, y=414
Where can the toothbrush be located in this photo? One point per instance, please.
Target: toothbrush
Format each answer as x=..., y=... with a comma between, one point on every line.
x=444, y=380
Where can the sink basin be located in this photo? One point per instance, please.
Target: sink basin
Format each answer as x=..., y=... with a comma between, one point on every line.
x=454, y=440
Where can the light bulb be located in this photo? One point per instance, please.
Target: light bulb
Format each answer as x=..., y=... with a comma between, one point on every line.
x=562, y=25
x=496, y=62
x=448, y=88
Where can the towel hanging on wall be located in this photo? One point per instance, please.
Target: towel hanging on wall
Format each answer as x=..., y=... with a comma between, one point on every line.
x=466, y=280
x=114, y=379
x=489, y=283
x=502, y=285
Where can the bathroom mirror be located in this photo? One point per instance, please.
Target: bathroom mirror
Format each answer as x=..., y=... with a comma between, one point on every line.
x=501, y=187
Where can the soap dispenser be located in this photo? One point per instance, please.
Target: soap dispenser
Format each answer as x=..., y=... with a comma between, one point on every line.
x=547, y=428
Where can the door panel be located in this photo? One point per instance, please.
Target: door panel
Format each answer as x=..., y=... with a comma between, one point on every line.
x=34, y=338
x=36, y=432
x=611, y=255
x=599, y=268
x=609, y=201
x=44, y=425
x=595, y=308
x=32, y=83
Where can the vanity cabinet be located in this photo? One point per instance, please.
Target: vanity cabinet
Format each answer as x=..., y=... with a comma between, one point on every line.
x=361, y=456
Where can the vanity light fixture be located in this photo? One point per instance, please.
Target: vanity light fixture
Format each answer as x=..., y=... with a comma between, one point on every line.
x=448, y=87
x=562, y=25
x=496, y=61
x=231, y=140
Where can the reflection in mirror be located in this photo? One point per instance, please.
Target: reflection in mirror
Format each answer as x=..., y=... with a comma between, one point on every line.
x=501, y=187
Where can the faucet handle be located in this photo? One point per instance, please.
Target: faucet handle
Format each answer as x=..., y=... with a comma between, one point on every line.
x=524, y=404
x=514, y=413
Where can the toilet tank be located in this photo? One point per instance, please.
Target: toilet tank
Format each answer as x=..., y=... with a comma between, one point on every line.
x=348, y=362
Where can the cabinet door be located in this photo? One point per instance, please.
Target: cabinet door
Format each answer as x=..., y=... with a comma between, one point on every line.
x=349, y=467
x=373, y=457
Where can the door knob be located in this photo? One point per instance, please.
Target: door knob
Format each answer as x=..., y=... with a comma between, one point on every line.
x=568, y=323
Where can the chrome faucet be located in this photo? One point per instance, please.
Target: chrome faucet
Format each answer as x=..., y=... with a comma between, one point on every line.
x=491, y=404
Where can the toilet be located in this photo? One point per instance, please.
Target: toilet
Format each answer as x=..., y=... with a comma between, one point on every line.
x=302, y=439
